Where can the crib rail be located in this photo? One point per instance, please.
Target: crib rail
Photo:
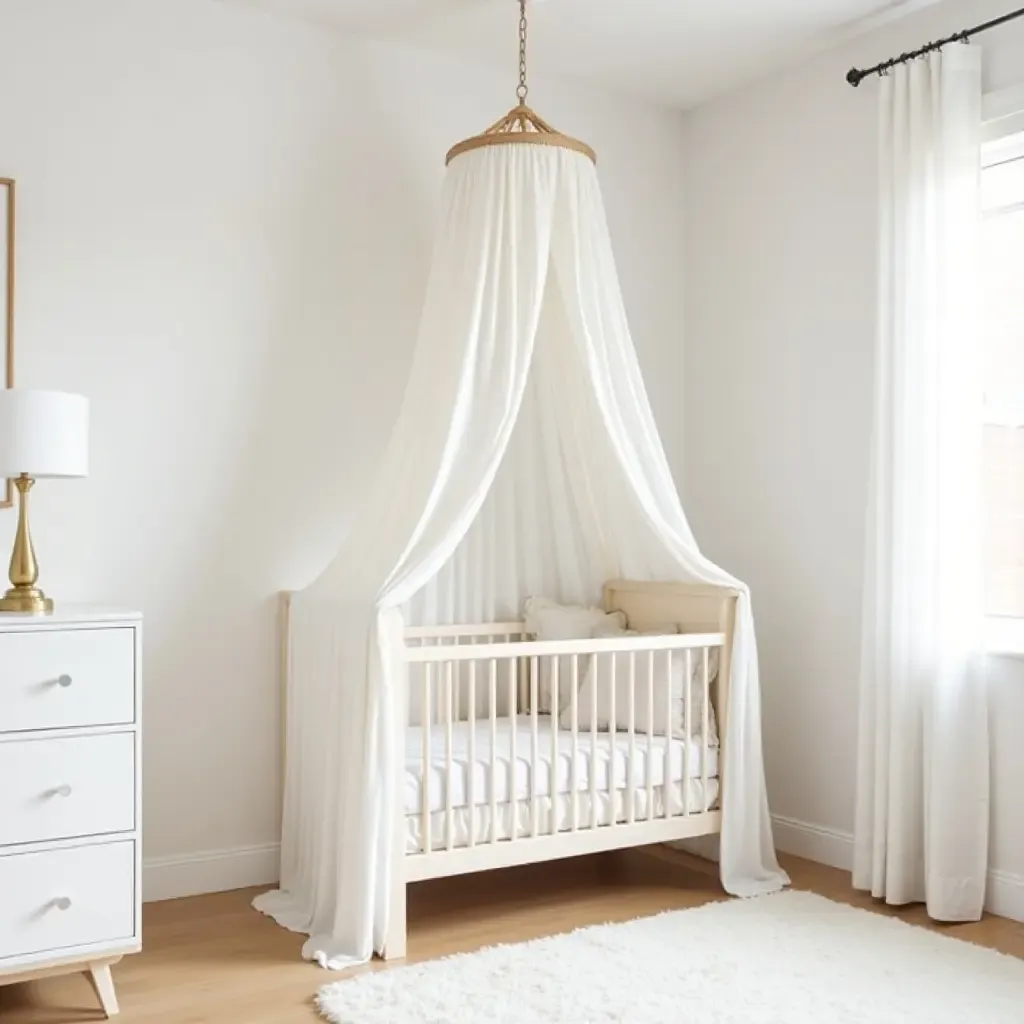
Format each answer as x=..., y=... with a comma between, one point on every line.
x=540, y=648
x=615, y=748
x=486, y=630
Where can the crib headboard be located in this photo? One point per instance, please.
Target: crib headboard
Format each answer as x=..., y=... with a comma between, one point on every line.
x=693, y=607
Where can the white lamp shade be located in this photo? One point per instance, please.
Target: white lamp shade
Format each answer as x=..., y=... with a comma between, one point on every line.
x=43, y=433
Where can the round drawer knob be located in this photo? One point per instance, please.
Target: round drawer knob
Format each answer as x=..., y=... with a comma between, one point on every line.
x=64, y=680
x=62, y=903
x=64, y=790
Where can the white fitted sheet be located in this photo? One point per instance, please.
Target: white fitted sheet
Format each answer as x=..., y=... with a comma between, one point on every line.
x=605, y=809
x=611, y=763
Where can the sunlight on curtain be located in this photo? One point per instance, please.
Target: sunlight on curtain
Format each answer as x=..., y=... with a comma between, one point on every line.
x=922, y=815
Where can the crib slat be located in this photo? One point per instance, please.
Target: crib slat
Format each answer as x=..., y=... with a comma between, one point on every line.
x=553, y=773
x=513, y=769
x=687, y=733
x=704, y=729
x=449, y=767
x=470, y=795
x=492, y=684
x=631, y=764
x=596, y=664
x=426, y=713
x=613, y=747
x=666, y=788
x=650, y=735
x=534, y=747
x=575, y=723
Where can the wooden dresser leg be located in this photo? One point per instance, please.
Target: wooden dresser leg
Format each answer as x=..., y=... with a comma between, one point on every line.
x=103, y=983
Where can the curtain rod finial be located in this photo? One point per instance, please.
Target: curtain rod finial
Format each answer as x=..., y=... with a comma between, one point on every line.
x=853, y=76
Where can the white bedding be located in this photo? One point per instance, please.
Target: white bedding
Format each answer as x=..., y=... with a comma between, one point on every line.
x=611, y=761
x=608, y=809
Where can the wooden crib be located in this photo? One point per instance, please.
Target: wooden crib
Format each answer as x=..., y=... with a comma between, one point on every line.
x=490, y=780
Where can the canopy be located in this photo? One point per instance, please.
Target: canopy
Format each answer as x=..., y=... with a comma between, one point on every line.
x=525, y=461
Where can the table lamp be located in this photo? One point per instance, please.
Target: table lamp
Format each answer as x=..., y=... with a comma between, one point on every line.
x=42, y=434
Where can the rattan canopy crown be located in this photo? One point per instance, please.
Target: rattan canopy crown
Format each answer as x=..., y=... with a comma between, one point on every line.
x=520, y=125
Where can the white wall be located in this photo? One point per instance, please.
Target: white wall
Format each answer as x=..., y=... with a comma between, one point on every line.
x=224, y=231
x=780, y=296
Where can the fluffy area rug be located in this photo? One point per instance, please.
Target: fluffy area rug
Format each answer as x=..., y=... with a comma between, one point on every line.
x=790, y=958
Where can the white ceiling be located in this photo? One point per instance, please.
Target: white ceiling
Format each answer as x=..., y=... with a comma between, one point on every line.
x=672, y=51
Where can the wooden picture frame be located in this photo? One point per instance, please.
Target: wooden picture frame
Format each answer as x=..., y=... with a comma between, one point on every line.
x=7, y=303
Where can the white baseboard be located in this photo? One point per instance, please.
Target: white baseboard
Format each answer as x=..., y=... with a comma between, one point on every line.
x=192, y=874
x=813, y=842
x=1004, y=893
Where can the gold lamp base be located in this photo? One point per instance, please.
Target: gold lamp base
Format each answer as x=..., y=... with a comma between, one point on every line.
x=28, y=599
x=24, y=596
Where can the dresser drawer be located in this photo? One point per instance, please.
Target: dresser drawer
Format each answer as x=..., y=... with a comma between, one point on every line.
x=54, y=679
x=61, y=788
x=64, y=898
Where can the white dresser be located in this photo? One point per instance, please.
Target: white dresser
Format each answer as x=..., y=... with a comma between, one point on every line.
x=70, y=785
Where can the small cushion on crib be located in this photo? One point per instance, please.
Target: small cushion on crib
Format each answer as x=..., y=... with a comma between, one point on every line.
x=545, y=619
x=668, y=629
x=599, y=676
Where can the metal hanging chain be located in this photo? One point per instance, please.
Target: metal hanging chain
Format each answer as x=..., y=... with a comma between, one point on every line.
x=522, y=89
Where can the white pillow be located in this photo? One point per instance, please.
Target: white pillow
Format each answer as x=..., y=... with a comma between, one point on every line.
x=615, y=629
x=547, y=620
x=599, y=677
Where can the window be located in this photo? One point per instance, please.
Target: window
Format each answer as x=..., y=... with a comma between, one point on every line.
x=1002, y=295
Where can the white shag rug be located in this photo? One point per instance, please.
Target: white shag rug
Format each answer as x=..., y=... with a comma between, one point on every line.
x=790, y=958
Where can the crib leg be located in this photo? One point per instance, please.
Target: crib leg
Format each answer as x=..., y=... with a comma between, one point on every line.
x=394, y=947
x=394, y=941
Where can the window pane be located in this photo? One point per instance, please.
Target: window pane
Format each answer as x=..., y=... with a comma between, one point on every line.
x=1003, y=314
x=1001, y=185
x=1004, y=536
x=1003, y=333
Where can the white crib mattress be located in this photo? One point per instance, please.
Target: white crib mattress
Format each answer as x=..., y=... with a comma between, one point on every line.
x=604, y=810
x=611, y=763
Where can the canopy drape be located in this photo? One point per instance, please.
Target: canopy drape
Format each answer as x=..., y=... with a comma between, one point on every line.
x=525, y=460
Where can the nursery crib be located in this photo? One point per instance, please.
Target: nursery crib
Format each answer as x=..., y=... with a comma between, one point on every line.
x=519, y=750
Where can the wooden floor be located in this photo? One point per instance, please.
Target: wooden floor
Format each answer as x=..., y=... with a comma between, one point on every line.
x=215, y=959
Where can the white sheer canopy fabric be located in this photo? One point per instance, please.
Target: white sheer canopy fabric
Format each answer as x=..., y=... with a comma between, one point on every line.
x=525, y=461
x=922, y=816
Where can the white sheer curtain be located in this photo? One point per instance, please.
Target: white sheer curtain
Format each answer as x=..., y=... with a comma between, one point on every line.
x=922, y=815
x=524, y=351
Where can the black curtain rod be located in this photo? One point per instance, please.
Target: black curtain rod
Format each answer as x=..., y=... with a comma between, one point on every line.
x=855, y=76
